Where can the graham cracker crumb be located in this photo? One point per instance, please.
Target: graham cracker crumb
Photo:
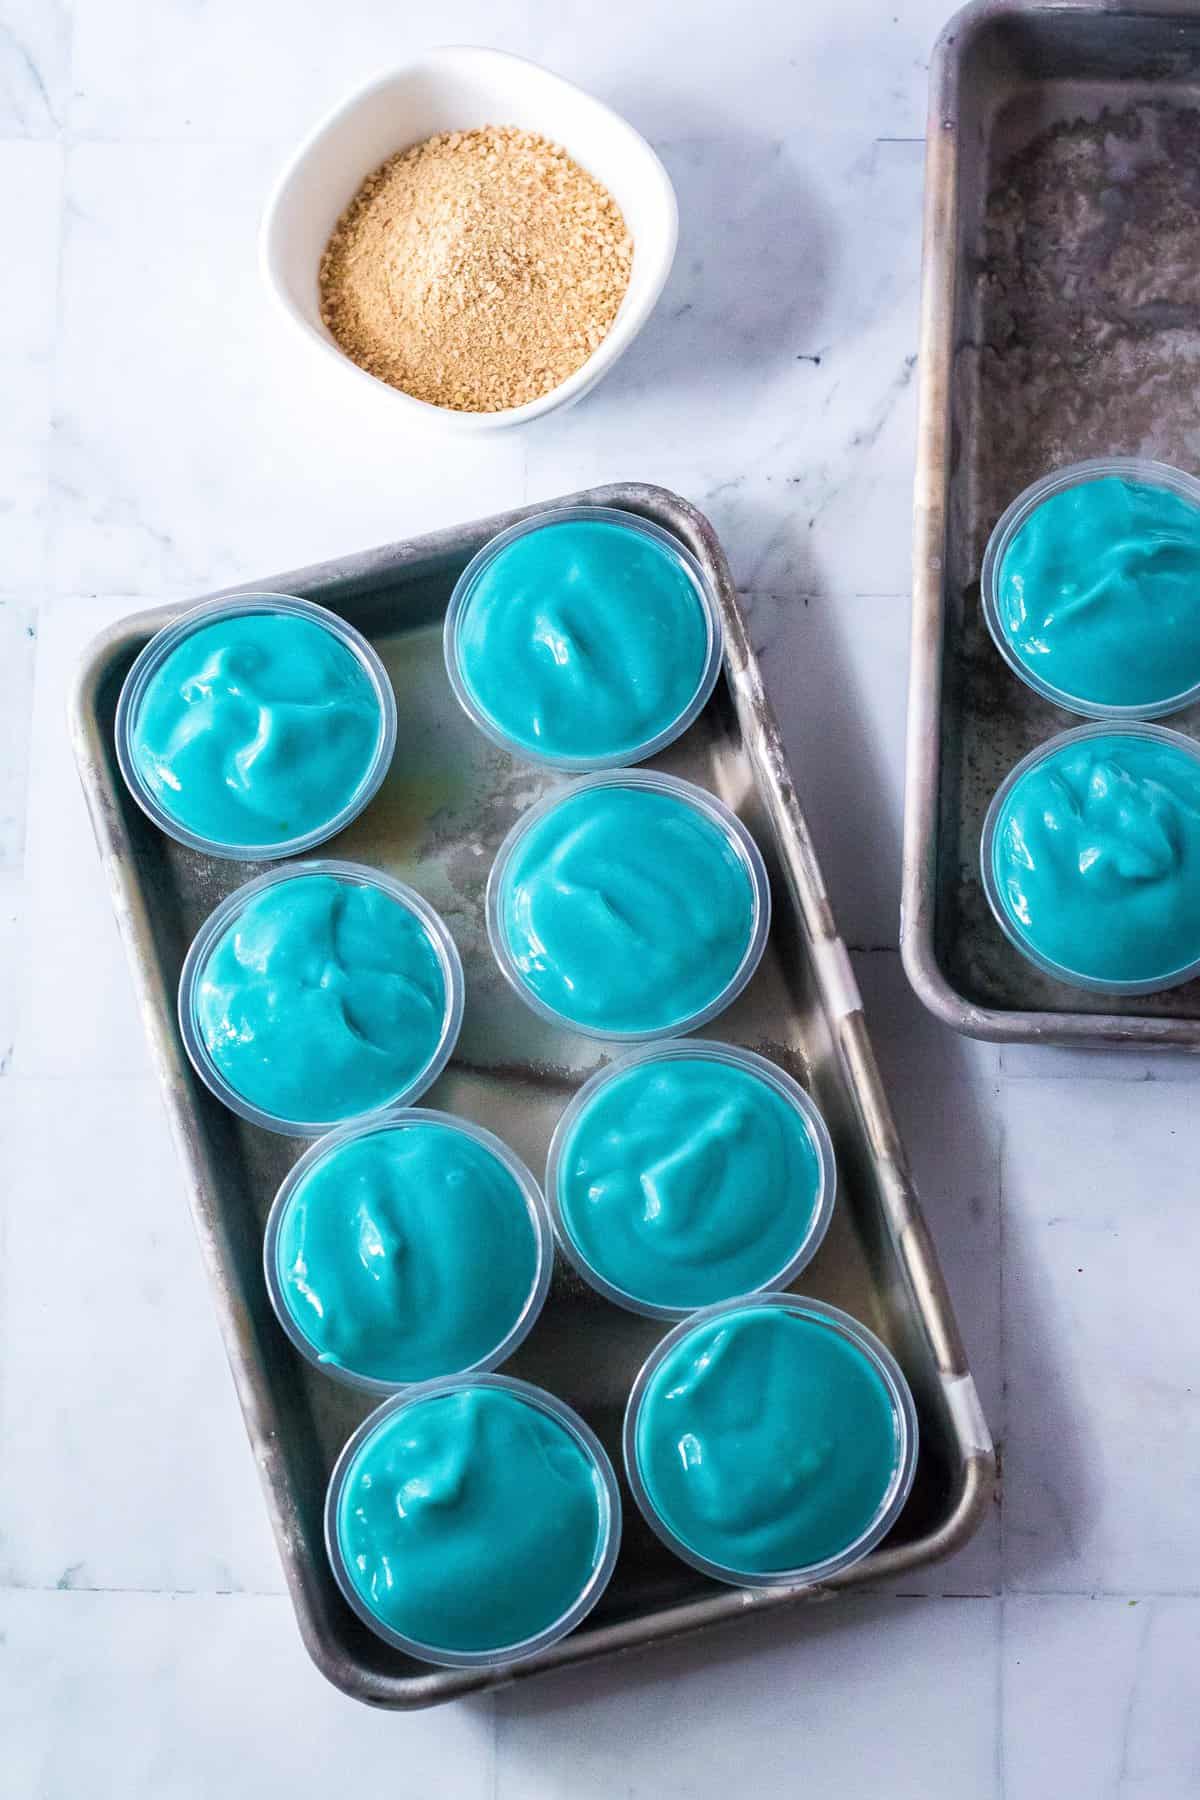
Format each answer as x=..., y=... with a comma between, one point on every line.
x=477, y=270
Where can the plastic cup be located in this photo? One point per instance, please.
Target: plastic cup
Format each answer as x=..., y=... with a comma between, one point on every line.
x=606, y=1552
x=693, y=1050
x=890, y=1506
x=155, y=653
x=219, y=922
x=991, y=887
x=1123, y=468
x=465, y=588
x=399, y=1120
x=739, y=840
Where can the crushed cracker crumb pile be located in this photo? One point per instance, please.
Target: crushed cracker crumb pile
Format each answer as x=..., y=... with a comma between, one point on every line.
x=476, y=270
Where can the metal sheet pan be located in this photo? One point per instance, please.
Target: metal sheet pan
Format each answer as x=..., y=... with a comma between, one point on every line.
x=1060, y=320
x=445, y=806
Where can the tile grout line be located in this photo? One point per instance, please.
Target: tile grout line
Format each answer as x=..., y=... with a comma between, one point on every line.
x=31, y=611
x=1002, y=1353
x=1001, y=1331
x=1095, y=1596
x=1131, y=1702
x=64, y=127
x=5, y=1191
x=66, y=132
x=1010, y=1079
x=497, y=1733
x=148, y=1593
x=62, y=138
x=1001, y=1646
x=525, y=472
x=1106, y=1596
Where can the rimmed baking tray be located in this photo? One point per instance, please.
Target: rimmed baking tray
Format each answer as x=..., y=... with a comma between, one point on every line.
x=449, y=799
x=1060, y=320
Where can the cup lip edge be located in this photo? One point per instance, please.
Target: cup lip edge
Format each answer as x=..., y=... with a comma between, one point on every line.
x=228, y=909
x=609, y=1496
x=1147, y=471
x=908, y=1431
x=402, y=1118
x=545, y=520
x=1107, y=727
x=154, y=652
x=703, y=1050
x=689, y=793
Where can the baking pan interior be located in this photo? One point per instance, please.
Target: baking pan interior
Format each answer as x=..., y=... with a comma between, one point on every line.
x=448, y=800
x=1077, y=334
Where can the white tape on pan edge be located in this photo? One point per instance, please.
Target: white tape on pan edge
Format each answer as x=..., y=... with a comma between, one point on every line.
x=962, y=1399
x=838, y=973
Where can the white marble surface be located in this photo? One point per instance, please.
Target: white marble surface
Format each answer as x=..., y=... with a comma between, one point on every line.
x=158, y=435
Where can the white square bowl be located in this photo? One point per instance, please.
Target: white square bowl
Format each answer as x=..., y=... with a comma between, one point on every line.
x=463, y=89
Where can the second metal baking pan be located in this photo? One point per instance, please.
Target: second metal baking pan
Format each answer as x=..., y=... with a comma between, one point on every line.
x=1060, y=320
x=448, y=800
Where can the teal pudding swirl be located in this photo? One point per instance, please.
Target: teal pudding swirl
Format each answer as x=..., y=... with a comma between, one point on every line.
x=474, y=1521
x=1093, y=591
x=320, y=993
x=257, y=727
x=629, y=906
x=406, y=1250
x=1091, y=857
x=690, y=1173
x=770, y=1441
x=584, y=639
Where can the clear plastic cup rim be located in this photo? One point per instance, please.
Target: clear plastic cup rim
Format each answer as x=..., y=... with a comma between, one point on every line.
x=401, y=1119
x=464, y=589
x=151, y=658
x=692, y=1050
x=1160, y=734
x=718, y=814
x=223, y=916
x=907, y=1434
x=1125, y=468
x=606, y=1558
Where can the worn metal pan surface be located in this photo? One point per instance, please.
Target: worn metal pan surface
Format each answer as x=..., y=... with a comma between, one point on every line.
x=1061, y=320
x=448, y=801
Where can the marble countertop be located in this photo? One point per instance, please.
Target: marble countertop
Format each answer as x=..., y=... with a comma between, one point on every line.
x=161, y=435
